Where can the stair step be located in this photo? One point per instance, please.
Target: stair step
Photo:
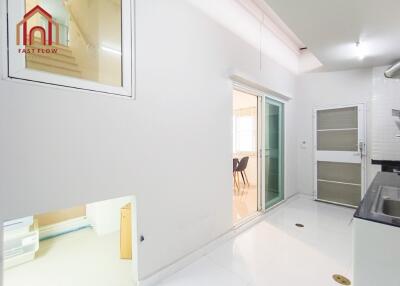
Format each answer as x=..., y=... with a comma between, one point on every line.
x=66, y=51
x=63, y=62
x=38, y=42
x=61, y=47
x=50, y=62
x=53, y=69
x=62, y=59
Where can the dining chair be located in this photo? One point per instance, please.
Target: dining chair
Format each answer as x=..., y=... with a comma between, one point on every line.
x=241, y=168
x=235, y=179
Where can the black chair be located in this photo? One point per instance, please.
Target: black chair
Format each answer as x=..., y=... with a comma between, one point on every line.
x=241, y=168
x=235, y=165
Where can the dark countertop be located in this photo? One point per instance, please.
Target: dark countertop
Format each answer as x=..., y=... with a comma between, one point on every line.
x=366, y=209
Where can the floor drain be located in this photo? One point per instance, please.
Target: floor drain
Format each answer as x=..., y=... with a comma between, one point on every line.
x=341, y=279
x=300, y=225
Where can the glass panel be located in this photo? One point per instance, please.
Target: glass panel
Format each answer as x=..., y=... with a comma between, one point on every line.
x=339, y=193
x=342, y=140
x=342, y=118
x=76, y=38
x=340, y=172
x=273, y=152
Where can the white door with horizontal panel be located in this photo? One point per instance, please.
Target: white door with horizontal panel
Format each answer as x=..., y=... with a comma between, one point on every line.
x=340, y=154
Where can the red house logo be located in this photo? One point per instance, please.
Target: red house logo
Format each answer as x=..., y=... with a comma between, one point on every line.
x=46, y=33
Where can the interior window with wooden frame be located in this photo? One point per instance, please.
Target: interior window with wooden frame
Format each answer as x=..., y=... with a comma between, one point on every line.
x=81, y=44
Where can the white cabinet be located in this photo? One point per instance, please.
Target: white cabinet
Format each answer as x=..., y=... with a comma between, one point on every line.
x=376, y=254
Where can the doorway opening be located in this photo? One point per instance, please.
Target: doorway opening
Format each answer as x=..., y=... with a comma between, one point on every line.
x=89, y=244
x=258, y=152
x=245, y=155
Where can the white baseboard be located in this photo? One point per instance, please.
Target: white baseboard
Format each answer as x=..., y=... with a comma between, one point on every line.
x=180, y=264
x=64, y=227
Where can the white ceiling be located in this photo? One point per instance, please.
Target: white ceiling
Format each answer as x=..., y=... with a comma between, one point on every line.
x=330, y=29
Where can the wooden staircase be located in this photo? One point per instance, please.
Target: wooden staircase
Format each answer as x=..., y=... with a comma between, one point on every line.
x=62, y=62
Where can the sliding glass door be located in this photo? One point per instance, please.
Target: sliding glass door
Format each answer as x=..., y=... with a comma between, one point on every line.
x=273, y=152
x=258, y=153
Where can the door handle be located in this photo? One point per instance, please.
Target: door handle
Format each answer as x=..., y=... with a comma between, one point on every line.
x=361, y=147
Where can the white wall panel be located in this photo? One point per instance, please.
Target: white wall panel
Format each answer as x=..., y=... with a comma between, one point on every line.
x=385, y=127
x=327, y=90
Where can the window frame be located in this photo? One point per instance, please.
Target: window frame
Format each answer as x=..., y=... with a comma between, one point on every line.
x=14, y=66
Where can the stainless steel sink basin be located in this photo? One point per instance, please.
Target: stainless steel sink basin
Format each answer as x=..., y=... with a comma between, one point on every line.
x=391, y=207
x=387, y=202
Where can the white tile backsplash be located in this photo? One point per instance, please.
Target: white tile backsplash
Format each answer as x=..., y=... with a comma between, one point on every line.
x=385, y=127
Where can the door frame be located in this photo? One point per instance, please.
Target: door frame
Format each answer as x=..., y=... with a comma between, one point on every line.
x=262, y=97
x=362, y=149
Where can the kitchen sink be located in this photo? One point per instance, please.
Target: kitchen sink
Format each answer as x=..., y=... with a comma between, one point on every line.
x=387, y=202
x=391, y=207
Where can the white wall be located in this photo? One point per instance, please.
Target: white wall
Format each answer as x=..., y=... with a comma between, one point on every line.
x=385, y=127
x=171, y=147
x=183, y=77
x=291, y=135
x=247, y=25
x=325, y=90
x=105, y=216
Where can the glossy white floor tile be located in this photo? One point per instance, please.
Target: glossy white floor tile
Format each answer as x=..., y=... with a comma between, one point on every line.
x=245, y=202
x=204, y=272
x=275, y=252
